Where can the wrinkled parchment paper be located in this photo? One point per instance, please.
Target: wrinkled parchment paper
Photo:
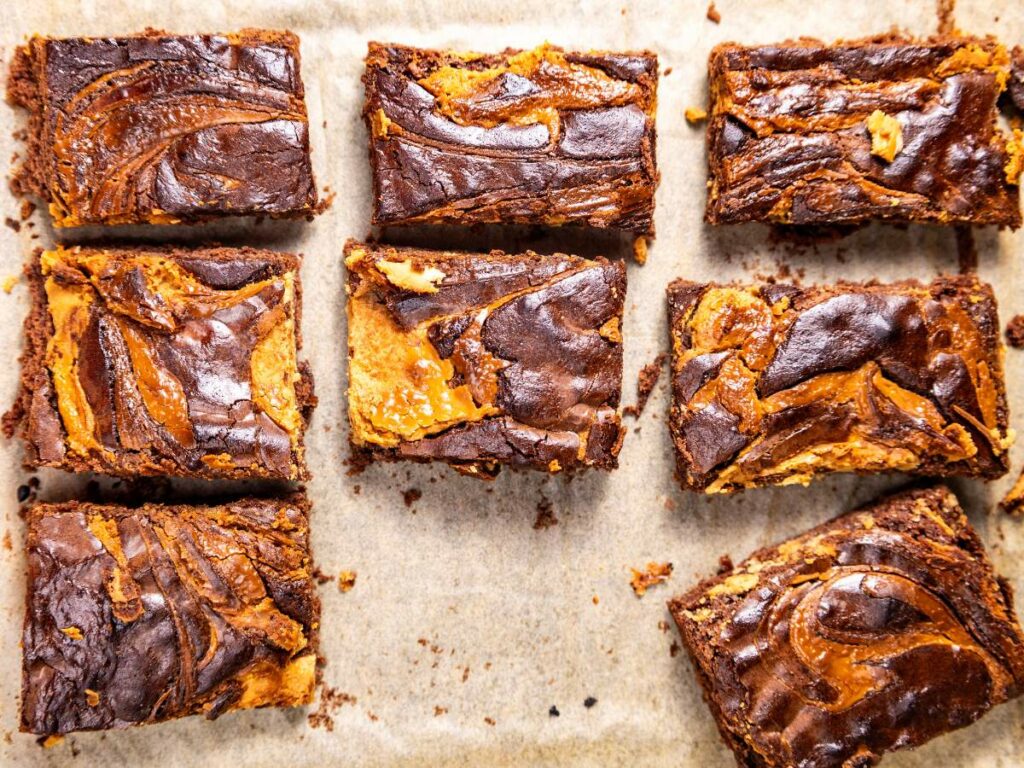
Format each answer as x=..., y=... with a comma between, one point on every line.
x=466, y=624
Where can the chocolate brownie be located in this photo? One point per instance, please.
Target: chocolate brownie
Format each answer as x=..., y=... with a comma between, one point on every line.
x=877, y=631
x=484, y=359
x=543, y=136
x=174, y=361
x=160, y=129
x=776, y=384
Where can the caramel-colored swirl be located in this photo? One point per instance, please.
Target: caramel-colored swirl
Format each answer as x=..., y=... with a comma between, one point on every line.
x=177, y=129
x=150, y=363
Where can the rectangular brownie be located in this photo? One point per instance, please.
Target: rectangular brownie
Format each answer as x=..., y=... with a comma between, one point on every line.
x=877, y=631
x=543, y=136
x=164, y=362
x=484, y=359
x=887, y=128
x=136, y=616
x=776, y=384
x=160, y=129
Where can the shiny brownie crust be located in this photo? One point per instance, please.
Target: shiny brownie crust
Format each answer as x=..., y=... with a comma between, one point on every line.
x=877, y=631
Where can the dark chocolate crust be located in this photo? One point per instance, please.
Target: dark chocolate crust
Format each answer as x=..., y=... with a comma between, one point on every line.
x=529, y=344
x=789, y=142
x=135, y=616
x=877, y=631
x=159, y=128
x=777, y=383
x=202, y=345
x=536, y=146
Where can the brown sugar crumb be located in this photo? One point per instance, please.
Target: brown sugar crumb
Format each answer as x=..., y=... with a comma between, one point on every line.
x=13, y=224
x=646, y=381
x=438, y=711
x=545, y=515
x=1015, y=331
x=655, y=573
x=489, y=721
x=695, y=115
x=9, y=282
x=713, y=15
x=330, y=700
x=347, y=580
x=411, y=495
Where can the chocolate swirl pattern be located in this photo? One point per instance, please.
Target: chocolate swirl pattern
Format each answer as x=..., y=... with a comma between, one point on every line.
x=877, y=631
x=165, y=362
x=481, y=360
x=141, y=615
x=527, y=137
x=779, y=384
x=162, y=129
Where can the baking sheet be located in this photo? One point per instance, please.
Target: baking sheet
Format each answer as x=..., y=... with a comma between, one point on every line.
x=467, y=624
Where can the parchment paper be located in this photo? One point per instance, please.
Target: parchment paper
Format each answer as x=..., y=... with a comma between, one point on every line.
x=466, y=625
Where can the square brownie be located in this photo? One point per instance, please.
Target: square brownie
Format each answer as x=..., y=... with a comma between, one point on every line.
x=139, y=615
x=171, y=361
x=777, y=384
x=887, y=128
x=877, y=631
x=160, y=129
x=543, y=136
x=484, y=359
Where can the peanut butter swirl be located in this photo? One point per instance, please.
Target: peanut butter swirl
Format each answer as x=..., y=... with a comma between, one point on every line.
x=886, y=128
x=161, y=129
x=165, y=362
x=877, y=631
x=778, y=384
x=141, y=615
x=484, y=359
x=542, y=136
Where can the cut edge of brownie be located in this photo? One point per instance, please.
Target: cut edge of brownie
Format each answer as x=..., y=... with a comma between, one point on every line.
x=35, y=377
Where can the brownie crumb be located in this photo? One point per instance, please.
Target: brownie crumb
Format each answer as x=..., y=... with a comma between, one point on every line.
x=13, y=224
x=27, y=209
x=695, y=115
x=545, y=515
x=411, y=495
x=589, y=702
x=655, y=573
x=1013, y=502
x=330, y=700
x=320, y=576
x=724, y=564
x=673, y=650
x=347, y=580
x=47, y=742
x=9, y=282
x=667, y=72
x=8, y=544
x=490, y=721
x=713, y=15
x=438, y=711
x=553, y=712
x=1015, y=331
x=646, y=381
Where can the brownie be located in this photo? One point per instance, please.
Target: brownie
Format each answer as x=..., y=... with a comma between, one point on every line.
x=162, y=129
x=776, y=384
x=164, y=362
x=877, y=631
x=481, y=360
x=135, y=616
x=887, y=128
x=543, y=136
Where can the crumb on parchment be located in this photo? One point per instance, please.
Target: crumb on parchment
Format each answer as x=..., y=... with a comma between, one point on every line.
x=655, y=573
